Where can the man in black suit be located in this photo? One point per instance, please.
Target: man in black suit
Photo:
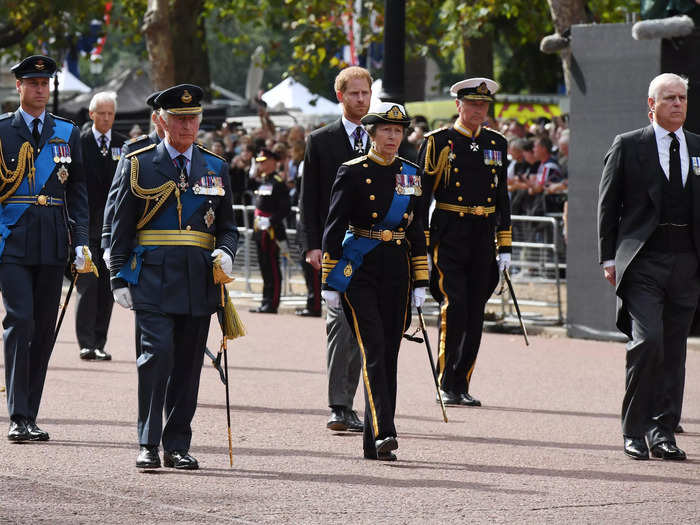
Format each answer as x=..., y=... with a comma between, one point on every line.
x=326, y=149
x=101, y=152
x=649, y=246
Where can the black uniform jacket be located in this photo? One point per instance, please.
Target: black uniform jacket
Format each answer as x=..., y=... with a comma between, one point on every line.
x=42, y=234
x=461, y=171
x=272, y=199
x=99, y=172
x=630, y=199
x=173, y=279
x=326, y=149
x=362, y=194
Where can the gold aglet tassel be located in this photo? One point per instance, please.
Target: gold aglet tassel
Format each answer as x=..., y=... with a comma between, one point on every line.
x=179, y=208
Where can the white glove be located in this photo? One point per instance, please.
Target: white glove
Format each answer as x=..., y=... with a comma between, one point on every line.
x=331, y=297
x=503, y=261
x=80, y=261
x=263, y=222
x=226, y=261
x=105, y=256
x=418, y=297
x=123, y=297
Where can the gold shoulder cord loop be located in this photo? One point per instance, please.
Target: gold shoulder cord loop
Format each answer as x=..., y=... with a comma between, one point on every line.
x=25, y=159
x=442, y=166
x=159, y=194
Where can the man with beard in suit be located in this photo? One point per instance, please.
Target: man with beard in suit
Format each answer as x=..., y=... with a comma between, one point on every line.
x=101, y=152
x=649, y=247
x=326, y=149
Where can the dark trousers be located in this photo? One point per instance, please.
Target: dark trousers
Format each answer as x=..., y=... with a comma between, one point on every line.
x=31, y=295
x=172, y=351
x=660, y=291
x=269, y=260
x=313, y=286
x=93, y=308
x=376, y=303
x=463, y=263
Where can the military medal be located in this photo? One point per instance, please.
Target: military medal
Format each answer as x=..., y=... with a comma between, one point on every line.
x=116, y=153
x=474, y=146
x=495, y=180
x=183, y=181
x=62, y=151
x=347, y=271
x=54, y=149
x=696, y=165
x=103, y=150
x=62, y=174
x=209, y=217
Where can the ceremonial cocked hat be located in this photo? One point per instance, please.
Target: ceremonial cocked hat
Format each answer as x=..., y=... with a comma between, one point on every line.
x=35, y=66
x=386, y=113
x=183, y=99
x=265, y=154
x=475, y=89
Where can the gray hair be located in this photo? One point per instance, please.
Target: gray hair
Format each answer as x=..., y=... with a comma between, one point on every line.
x=163, y=113
x=664, y=79
x=103, y=96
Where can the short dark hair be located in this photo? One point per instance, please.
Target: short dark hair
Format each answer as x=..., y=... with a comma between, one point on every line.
x=544, y=141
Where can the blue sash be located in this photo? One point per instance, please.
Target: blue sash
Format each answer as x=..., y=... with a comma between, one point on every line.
x=166, y=219
x=355, y=248
x=45, y=165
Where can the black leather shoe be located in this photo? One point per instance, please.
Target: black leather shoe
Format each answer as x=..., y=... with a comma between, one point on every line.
x=264, y=309
x=148, y=457
x=469, y=401
x=384, y=456
x=667, y=450
x=18, y=430
x=385, y=445
x=308, y=313
x=180, y=460
x=636, y=448
x=337, y=421
x=101, y=355
x=353, y=421
x=449, y=398
x=680, y=430
x=35, y=433
x=87, y=353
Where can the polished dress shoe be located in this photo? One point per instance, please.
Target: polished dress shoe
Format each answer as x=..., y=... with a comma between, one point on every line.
x=264, y=309
x=449, y=398
x=101, y=355
x=35, y=433
x=18, y=430
x=385, y=445
x=680, y=430
x=384, y=456
x=148, y=457
x=338, y=420
x=667, y=450
x=308, y=313
x=469, y=401
x=353, y=421
x=180, y=460
x=636, y=448
x=87, y=353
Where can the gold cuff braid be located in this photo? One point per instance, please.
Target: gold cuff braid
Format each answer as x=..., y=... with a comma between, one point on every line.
x=505, y=237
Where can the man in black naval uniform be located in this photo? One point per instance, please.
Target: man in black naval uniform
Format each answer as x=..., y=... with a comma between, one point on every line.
x=649, y=246
x=173, y=217
x=464, y=168
x=101, y=148
x=272, y=205
x=44, y=213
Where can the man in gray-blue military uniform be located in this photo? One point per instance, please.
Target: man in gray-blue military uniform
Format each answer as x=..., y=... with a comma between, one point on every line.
x=42, y=191
x=173, y=217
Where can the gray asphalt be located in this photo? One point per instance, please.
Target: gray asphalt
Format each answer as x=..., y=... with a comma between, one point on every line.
x=545, y=447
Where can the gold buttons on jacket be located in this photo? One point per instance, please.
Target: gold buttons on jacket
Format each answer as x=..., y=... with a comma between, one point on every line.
x=374, y=215
x=493, y=142
x=188, y=227
x=493, y=185
x=398, y=241
x=461, y=214
x=493, y=170
x=365, y=165
x=371, y=197
x=456, y=170
x=368, y=181
x=488, y=200
x=460, y=199
x=400, y=229
x=405, y=215
x=458, y=184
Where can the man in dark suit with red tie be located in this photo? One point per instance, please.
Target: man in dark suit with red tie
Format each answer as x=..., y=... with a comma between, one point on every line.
x=326, y=149
x=101, y=152
x=649, y=246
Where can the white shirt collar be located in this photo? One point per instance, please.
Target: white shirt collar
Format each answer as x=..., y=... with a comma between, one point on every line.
x=29, y=120
x=97, y=135
x=349, y=127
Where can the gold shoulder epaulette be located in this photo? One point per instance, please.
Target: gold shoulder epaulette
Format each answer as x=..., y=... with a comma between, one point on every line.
x=356, y=160
x=210, y=152
x=436, y=131
x=496, y=132
x=407, y=161
x=135, y=139
x=62, y=118
x=131, y=154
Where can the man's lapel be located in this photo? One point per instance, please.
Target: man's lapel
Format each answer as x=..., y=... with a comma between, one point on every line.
x=198, y=166
x=342, y=138
x=46, y=130
x=693, y=142
x=21, y=127
x=164, y=164
x=649, y=160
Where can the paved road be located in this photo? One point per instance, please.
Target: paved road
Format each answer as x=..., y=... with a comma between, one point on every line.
x=544, y=448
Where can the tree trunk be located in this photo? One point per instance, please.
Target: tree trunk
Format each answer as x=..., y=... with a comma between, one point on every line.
x=159, y=43
x=478, y=56
x=189, y=44
x=566, y=13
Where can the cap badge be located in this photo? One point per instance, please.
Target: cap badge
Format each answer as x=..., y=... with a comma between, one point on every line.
x=39, y=65
x=186, y=97
x=394, y=113
x=482, y=89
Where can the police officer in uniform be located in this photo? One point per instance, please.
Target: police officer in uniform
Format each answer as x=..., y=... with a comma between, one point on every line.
x=42, y=191
x=272, y=205
x=173, y=217
x=374, y=255
x=101, y=147
x=464, y=169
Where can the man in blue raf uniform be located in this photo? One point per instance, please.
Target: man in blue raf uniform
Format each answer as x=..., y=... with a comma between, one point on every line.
x=465, y=167
x=42, y=191
x=173, y=216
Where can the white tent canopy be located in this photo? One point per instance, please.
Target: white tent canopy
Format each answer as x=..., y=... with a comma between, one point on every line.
x=291, y=95
x=69, y=83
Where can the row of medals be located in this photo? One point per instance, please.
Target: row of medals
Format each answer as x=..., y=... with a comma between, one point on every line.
x=209, y=216
x=61, y=155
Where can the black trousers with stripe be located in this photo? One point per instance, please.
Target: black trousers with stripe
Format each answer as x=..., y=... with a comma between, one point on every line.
x=269, y=260
x=376, y=304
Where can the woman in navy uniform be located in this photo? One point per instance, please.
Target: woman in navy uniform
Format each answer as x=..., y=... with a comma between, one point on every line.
x=374, y=254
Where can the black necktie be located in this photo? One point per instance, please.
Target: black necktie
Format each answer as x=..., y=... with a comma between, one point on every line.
x=103, y=145
x=674, y=162
x=358, y=148
x=35, y=131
